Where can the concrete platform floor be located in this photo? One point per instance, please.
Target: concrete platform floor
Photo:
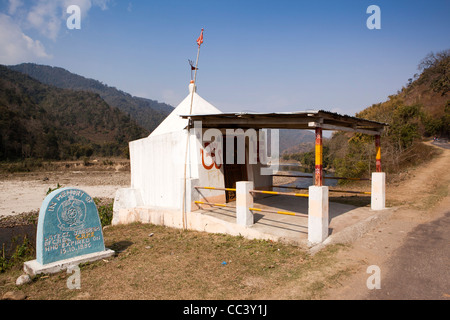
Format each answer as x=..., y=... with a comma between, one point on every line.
x=292, y=229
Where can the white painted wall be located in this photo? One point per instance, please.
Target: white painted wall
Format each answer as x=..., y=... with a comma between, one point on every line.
x=157, y=168
x=157, y=162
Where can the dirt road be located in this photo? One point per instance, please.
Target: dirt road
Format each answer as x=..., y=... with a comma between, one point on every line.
x=412, y=249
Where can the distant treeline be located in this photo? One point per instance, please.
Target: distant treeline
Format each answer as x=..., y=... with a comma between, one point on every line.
x=42, y=121
x=147, y=113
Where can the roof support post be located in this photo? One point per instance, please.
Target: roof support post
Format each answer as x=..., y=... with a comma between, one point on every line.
x=378, y=194
x=244, y=201
x=378, y=151
x=318, y=214
x=318, y=172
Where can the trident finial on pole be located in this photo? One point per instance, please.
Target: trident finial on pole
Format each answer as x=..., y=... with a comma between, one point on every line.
x=191, y=63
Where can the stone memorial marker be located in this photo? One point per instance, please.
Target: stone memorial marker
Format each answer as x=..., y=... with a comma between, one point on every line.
x=69, y=232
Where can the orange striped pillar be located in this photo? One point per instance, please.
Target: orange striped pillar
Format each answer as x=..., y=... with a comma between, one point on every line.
x=378, y=150
x=318, y=172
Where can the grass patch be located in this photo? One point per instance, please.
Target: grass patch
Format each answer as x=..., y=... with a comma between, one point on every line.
x=438, y=193
x=155, y=262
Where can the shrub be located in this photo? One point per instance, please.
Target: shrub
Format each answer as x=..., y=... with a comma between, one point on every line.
x=23, y=252
x=105, y=211
x=50, y=190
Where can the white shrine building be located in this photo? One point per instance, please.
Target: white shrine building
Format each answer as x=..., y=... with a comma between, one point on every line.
x=200, y=157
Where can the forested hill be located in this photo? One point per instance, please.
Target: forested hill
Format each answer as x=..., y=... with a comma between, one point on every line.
x=424, y=100
x=420, y=110
x=42, y=121
x=148, y=113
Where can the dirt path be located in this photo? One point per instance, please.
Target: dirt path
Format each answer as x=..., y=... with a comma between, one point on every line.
x=407, y=248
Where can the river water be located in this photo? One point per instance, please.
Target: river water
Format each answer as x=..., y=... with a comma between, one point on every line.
x=294, y=169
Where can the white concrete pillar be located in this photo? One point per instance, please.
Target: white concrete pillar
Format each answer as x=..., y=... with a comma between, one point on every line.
x=378, y=197
x=317, y=214
x=244, y=201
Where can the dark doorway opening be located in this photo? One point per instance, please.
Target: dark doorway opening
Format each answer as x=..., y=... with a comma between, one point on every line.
x=233, y=172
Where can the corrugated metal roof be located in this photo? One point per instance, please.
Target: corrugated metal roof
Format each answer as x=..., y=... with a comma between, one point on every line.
x=308, y=119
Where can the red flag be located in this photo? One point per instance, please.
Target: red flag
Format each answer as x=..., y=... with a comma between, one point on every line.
x=200, y=39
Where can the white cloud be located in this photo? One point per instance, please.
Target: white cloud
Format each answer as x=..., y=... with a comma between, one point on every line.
x=47, y=16
x=103, y=4
x=14, y=5
x=44, y=16
x=17, y=47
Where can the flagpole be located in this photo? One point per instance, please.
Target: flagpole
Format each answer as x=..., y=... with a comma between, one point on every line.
x=184, y=204
x=195, y=77
x=195, y=80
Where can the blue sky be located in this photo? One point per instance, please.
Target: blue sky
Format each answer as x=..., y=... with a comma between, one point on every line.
x=265, y=56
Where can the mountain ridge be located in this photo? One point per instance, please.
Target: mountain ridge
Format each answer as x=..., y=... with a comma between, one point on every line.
x=42, y=121
x=146, y=112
